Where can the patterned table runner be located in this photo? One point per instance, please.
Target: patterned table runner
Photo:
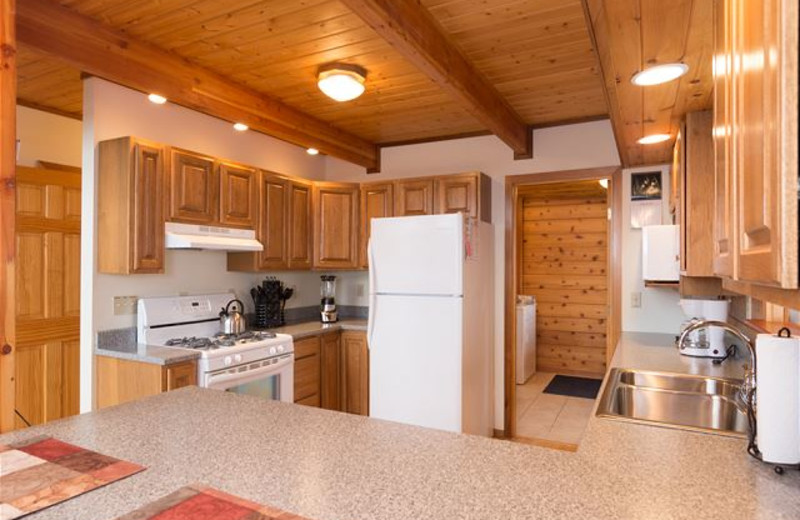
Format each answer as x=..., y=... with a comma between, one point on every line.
x=198, y=502
x=43, y=471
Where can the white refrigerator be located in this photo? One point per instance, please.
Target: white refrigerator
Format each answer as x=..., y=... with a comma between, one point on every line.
x=431, y=322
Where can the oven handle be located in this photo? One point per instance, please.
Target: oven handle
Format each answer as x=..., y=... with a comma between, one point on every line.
x=215, y=379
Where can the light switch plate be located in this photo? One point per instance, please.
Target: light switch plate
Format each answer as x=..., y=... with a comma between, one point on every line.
x=124, y=305
x=636, y=299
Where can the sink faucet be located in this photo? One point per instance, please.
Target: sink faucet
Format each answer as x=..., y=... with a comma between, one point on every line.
x=750, y=375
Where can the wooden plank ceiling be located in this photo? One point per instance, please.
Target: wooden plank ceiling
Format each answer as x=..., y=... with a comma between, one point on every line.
x=537, y=54
x=634, y=34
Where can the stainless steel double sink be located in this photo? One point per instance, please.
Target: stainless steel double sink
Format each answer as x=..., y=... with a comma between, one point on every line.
x=700, y=403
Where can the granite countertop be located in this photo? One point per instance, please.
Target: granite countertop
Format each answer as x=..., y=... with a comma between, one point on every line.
x=127, y=348
x=334, y=466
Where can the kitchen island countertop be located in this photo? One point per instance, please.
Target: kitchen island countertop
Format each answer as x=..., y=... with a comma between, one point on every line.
x=334, y=466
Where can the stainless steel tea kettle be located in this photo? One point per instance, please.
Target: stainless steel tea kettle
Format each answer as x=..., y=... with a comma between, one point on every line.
x=232, y=321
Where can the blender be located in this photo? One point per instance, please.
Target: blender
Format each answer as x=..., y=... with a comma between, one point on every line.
x=327, y=305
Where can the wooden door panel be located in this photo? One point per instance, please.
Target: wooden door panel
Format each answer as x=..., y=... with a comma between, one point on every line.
x=330, y=386
x=72, y=204
x=72, y=274
x=238, y=195
x=47, y=381
x=30, y=200
x=194, y=191
x=274, y=228
x=377, y=201
x=148, y=210
x=30, y=275
x=355, y=373
x=457, y=194
x=414, y=198
x=336, y=226
x=301, y=228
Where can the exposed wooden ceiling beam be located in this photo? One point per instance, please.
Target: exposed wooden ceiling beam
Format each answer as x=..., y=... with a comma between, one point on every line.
x=415, y=34
x=111, y=54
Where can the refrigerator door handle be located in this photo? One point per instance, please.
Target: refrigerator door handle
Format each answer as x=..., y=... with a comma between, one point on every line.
x=372, y=299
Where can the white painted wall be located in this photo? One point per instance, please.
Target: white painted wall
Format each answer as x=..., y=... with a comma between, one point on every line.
x=47, y=137
x=570, y=147
x=659, y=311
x=112, y=111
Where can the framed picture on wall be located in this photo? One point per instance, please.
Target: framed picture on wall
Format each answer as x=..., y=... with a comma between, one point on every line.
x=645, y=199
x=646, y=186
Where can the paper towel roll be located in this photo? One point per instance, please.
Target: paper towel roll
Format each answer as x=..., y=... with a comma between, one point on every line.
x=778, y=398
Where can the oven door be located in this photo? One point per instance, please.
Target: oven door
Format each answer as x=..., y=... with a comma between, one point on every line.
x=271, y=379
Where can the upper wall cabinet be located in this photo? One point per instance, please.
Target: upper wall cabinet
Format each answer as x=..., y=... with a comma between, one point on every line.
x=336, y=225
x=238, y=187
x=468, y=193
x=377, y=201
x=301, y=224
x=131, y=190
x=414, y=197
x=758, y=42
x=194, y=190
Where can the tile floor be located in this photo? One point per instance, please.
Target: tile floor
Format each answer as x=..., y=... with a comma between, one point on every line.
x=549, y=417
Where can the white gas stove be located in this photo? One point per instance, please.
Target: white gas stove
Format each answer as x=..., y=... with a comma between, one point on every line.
x=254, y=362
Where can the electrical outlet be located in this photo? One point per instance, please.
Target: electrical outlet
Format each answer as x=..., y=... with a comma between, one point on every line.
x=636, y=299
x=360, y=290
x=125, y=305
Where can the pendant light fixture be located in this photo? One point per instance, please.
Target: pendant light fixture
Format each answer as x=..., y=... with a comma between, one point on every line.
x=341, y=81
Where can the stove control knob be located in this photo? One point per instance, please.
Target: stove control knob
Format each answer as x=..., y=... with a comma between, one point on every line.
x=227, y=361
x=280, y=348
x=237, y=358
x=272, y=351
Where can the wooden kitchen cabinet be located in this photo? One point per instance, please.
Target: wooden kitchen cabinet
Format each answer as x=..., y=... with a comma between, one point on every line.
x=467, y=193
x=377, y=201
x=414, y=197
x=272, y=227
x=238, y=186
x=336, y=225
x=355, y=373
x=307, y=371
x=193, y=188
x=696, y=185
x=301, y=225
x=331, y=379
x=121, y=380
x=131, y=189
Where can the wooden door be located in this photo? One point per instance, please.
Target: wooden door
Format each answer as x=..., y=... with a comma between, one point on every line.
x=564, y=264
x=331, y=377
x=47, y=295
x=724, y=217
x=147, y=228
x=238, y=195
x=377, y=201
x=697, y=204
x=355, y=373
x=301, y=234
x=194, y=190
x=307, y=371
x=766, y=187
x=274, y=226
x=414, y=197
x=457, y=194
x=336, y=225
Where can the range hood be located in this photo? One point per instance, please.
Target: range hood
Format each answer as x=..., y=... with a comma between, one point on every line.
x=191, y=236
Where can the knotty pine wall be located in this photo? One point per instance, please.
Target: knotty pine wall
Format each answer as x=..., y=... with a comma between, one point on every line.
x=564, y=265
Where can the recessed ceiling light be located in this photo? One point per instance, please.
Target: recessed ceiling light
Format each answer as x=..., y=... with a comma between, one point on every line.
x=659, y=74
x=240, y=127
x=312, y=151
x=654, y=138
x=155, y=98
x=341, y=81
x=603, y=183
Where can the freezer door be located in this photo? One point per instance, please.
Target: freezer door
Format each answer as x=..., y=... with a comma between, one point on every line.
x=415, y=363
x=417, y=255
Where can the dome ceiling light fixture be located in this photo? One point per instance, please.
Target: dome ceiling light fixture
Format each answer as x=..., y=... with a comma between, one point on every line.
x=312, y=151
x=157, y=99
x=341, y=81
x=654, y=138
x=240, y=127
x=659, y=74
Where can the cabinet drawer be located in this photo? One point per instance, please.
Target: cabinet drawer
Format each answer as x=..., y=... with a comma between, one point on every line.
x=306, y=378
x=180, y=375
x=306, y=347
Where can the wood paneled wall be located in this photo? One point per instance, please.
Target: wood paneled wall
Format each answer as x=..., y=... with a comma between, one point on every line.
x=564, y=265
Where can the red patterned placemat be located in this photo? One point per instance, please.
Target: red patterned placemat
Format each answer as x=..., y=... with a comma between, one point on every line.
x=43, y=471
x=198, y=502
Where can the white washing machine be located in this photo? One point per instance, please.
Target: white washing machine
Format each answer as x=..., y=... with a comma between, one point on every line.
x=526, y=338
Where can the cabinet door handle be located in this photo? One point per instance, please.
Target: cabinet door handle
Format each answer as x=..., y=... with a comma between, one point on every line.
x=6, y=350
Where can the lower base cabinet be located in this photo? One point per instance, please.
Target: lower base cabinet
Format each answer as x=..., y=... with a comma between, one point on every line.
x=331, y=371
x=120, y=380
